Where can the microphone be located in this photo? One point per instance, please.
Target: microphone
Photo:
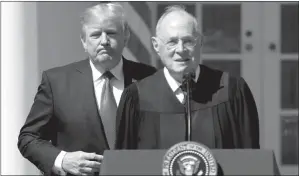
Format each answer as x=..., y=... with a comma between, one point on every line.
x=188, y=75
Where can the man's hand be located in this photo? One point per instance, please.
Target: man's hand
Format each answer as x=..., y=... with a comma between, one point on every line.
x=81, y=163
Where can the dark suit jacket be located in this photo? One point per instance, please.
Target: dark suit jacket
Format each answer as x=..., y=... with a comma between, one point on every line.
x=64, y=115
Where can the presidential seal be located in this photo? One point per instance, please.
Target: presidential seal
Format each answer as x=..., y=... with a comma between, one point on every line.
x=189, y=158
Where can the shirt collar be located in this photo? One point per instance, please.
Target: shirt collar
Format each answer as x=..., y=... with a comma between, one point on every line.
x=174, y=85
x=116, y=71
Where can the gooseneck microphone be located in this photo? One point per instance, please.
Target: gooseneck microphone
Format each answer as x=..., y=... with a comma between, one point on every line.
x=188, y=75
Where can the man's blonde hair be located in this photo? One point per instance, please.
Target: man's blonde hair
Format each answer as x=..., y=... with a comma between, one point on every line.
x=103, y=10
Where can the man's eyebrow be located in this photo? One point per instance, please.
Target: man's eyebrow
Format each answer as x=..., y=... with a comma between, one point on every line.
x=96, y=32
x=173, y=38
x=110, y=29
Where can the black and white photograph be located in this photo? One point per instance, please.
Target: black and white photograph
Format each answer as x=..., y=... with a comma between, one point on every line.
x=149, y=87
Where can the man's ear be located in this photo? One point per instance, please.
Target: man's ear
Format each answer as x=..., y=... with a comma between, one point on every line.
x=83, y=43
x=127, y=35
x=155, y=44
x=126, y=41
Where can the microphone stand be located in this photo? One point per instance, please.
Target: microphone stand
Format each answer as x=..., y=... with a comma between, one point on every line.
x=188, y=108
x=189, y=128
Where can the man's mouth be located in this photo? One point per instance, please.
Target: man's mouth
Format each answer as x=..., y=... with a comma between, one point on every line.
x=182, y=60
x=102, y=51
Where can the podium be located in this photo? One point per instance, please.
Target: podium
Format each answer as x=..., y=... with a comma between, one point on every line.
x=230, y=162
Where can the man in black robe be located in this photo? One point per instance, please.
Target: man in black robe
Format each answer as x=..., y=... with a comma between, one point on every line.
x=151, y=113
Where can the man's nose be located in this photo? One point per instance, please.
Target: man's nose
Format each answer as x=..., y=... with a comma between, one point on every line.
x=104, y=39
x=180, y=47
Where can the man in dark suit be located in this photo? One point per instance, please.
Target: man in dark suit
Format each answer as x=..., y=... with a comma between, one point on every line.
x=151, y=115
x=72, y=120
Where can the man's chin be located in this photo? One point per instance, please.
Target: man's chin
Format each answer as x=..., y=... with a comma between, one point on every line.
x=103, y=59
x=180, y=69
x=106, y=62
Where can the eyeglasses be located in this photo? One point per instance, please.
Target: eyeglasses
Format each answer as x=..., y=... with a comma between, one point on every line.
x=172, y=44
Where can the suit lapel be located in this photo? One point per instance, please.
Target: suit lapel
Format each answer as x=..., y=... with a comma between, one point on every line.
x=88, y=100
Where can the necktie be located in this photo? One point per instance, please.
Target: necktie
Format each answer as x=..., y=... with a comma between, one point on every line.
x=108, y=109
x=184, y=98
x=183, y=88
x=180, y=94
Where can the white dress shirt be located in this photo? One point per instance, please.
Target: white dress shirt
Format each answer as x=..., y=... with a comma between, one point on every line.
x=175, y=85
x=117, y=82
x=118, y=85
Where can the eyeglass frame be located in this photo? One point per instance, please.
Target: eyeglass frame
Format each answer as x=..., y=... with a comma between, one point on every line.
x=176, y=45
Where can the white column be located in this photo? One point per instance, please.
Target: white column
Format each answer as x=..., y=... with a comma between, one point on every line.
x=252, y=60
x=19, y=80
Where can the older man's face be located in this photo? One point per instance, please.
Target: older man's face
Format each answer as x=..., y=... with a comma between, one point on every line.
x=104, y=41
x=174, y=43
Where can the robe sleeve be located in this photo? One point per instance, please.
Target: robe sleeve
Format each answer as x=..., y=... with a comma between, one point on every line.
x=127, y=119
x=247, y=116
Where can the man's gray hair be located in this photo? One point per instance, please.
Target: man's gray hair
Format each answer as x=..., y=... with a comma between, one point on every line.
x=176, y=8
x=104, y=10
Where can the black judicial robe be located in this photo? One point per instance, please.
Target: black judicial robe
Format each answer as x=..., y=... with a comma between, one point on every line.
x=224, y=113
